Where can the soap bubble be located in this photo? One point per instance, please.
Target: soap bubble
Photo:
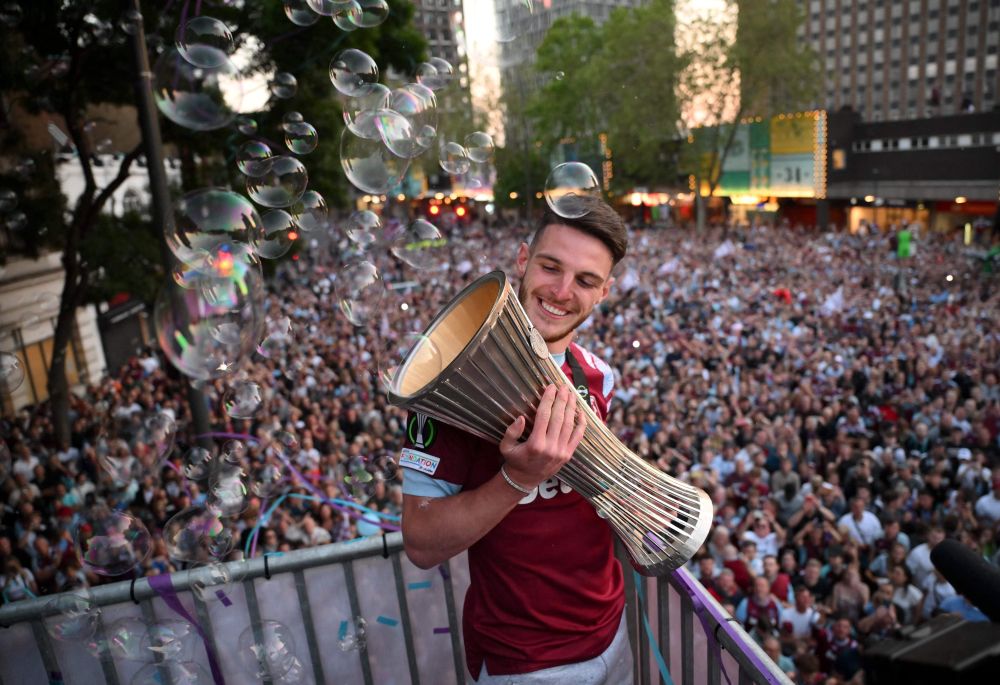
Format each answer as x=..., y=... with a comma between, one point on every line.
x=324, y=7
x=234, y=452
x=479, y=146
x=197, y=534
x=173, y=640
x=283, y=441
x=8, y=198
x=416, y=346
x=278, y=335
x=422, y=246
x=347, y=15
x=291, y=117
x=299, y=13
x=134, y=444
x=11, y=14
x=301, y=138
x=360, y=291
x=212, y=228
x=508, y=16
x=121, y=466
x=284, y=85
x=278, y=236
x=364, y=228
x=242, y=399
x=397, y=133
x=416, y=102
x=206, y=331
x=369, y=165
x=72, y=616
x=156, y=433
x=360, y=110
x=267, y=480
x=571, y=188
x=205, y=42
x=197, y=464
x=111, y=543
x=176, y=672
x=271, y=655
x=281, y=185
x=254, y=158
x=227, y=488
x=373, y=13
x=11, y=372
x=352, y=70
x=310, y=212
x=247, y=126
x=198, y=98
x=124, y=639
x=436, y=73
x=454, y=158
x=354, y=638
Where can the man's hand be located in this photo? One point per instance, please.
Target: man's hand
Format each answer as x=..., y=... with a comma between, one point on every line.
x=559, y=427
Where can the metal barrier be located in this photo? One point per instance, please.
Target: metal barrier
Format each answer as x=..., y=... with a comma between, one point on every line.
x=413, y=617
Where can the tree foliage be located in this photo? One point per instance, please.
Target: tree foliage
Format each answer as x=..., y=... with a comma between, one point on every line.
x=62, y=57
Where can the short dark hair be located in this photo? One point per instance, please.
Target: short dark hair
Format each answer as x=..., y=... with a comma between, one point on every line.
x=601, y=221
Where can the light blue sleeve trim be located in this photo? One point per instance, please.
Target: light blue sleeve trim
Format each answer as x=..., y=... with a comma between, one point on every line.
x=421, y=485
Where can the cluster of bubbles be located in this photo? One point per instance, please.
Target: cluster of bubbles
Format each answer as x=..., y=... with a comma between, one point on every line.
x=347, y=15
x=162, y=651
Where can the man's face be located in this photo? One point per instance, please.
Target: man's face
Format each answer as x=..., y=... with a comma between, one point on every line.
x=562, y=279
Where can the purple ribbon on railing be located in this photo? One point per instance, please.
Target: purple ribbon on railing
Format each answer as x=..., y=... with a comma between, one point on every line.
x=163, y=586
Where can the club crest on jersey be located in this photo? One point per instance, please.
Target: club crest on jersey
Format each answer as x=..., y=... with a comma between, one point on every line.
x=418, y=461
x=421, y=430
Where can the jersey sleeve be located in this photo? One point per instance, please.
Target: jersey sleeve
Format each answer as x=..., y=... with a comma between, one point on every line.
x=421, y=485
x=437, y=457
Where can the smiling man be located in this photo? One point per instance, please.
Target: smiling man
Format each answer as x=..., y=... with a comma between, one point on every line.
x=546, y=598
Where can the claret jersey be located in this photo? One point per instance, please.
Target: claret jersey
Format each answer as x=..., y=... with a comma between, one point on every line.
x=546, y=588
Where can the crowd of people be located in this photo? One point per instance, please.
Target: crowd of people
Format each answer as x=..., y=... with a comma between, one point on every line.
x=840, y=405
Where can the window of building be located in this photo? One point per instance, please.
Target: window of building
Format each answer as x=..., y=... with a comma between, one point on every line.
x=36, y=358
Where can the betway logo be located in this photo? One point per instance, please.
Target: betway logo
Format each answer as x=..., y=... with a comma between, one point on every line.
x=546, y=490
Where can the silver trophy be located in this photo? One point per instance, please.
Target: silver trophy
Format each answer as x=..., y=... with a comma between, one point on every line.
x=481, y=364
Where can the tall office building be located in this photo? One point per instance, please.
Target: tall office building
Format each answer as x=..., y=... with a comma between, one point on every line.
x=906, y=59
x=442, y=23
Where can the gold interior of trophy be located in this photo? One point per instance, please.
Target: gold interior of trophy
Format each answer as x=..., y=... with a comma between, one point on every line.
x=445, y=339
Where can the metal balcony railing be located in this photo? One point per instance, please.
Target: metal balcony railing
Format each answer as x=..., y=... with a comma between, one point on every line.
x=679, y=633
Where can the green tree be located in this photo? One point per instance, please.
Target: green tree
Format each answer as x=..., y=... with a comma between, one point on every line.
x=761, y=71
x=521, y=171
x=64, y=56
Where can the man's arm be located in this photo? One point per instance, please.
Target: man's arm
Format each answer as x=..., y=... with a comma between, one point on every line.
x=436, y=529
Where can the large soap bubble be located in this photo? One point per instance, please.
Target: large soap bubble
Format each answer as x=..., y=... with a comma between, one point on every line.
x=479, y=146
x=278, y=236
x=364, y=228
x=207, y=330
x=324, y=7
x=347, y=15
x=398, y=134
x=124, y=639
x=509, y=16
x=299, y=13
x=284, y=85
x=360, y=291
x=254, y=158
x=454, y=158
x=111, y=543
x=11, y=372
x=197, y=534
x=310, y=212
x=242, y=399
x=197, y=463
x=72, y=616
x=270, y=655
x=209, y=225
x=369, y=165
x=173, y=640
x=211, y=581
x=422, y=245
x=352, y=70
x=571, y=189
x=360, y=110
x=198, y=98
x=373, y=13
x=301, y=138
x=281, y=185
x=436, y=73
x=145, y=437
x=205, y=42
x=227, y=487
